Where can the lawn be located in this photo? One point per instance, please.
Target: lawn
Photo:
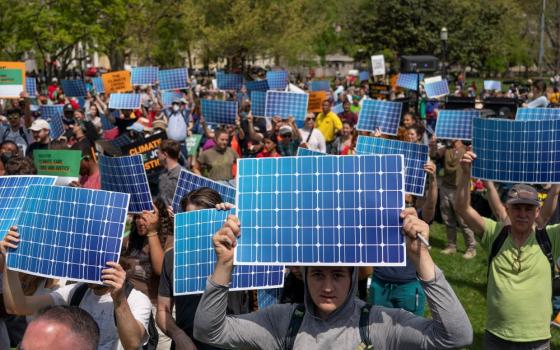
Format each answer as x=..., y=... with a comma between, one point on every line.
x=468, y=279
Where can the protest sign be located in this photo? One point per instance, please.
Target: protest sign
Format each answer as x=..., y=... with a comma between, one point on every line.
x=62, y=163
x=12, y=79
x=316, y=99
x=148, y=149
x=192, y=142
x=378, y=65
x=117, y=81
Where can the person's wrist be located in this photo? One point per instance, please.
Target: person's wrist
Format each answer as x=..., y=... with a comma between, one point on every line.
x=151, y=234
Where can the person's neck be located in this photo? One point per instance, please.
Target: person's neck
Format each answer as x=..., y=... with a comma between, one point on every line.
x=520, y=237
x=171, y=164
x=15, y=128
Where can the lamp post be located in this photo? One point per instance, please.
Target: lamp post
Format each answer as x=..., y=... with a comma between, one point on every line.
x=443, y=37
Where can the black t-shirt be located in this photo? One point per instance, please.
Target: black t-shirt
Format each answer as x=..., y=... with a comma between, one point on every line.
x=185, y=305
x=35, y=146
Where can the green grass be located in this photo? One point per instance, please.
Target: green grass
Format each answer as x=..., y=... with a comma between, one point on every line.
x=468, y=279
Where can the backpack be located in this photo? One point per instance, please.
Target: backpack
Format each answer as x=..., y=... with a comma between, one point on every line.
x=544, y=243
x=297, y=319
x=152, y=330
x=21, y=133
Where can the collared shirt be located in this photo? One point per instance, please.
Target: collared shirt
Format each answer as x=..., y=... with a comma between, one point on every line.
x=168, y=182
x=328, y=125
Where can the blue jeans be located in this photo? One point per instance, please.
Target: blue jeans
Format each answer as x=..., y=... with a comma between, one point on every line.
x=409, y=296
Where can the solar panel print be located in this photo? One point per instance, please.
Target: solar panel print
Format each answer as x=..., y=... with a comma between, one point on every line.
x=169, y=96
x=436, y=89
x=286, y=104
x=144, y=75
x=53, y=115
x=73, y=88
x=455, y=124
x=258, y=102
x=516, y=151
x=195, y=257
x=382, y=115
x=409, y=80
x=124, y=101
x=173, y=79
x=321, y=210
x=415, y=157
x=69, y=232
x=189, y=182
x=320, y=85
x=98, y=85
x=121, y=140
x=303, y=152
x=127, y=175
x=338, y=108
x=13, y=190
x=105, y=123
x=277, y=79
x=363, y=76
x=537, y=114
x=257, y=85
x=267, y=297
x=31, y=86
x=492, y=85
x=228, y=81
x=219, y=112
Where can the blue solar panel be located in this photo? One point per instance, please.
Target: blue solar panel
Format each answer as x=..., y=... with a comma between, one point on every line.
x=258, y=102
x=53, y=115
x=144, y=75
x=219, y=112
x=121, y=140
x=173, y=79
x=363, y=76
x=516, y=151
x=169, y=96
x=189, y=182
x=13, y=190
x=195, y=257
x=105, y=123
x=337, y=109
x=125, y=101
x=31, y=86
x=229, y=81
x=267, y=297
x=382, y=115
x=127, y=175
x=69, y=232
x=321, y=210
x=302, y=152
x=320, y=85
x=277, y=79
x=537, y=114
x=286, y=104
x=455, y=124
x=98, y=85
x=492, y=85
x=436, y=89
x=409, y=80
x=415, y=157
x=74, y=88
x=257, y=85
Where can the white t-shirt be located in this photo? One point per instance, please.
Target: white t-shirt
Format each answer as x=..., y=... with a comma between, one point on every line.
x=316, y=141
x=100, y=307
x=177, y=127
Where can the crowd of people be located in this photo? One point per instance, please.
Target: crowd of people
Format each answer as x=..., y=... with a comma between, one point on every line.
x=320, y=307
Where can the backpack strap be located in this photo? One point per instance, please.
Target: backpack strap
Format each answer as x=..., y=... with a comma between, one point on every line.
x=78, y=294
x=546, y=247
x=293, y=328
x=364, y=327
x=497, y=245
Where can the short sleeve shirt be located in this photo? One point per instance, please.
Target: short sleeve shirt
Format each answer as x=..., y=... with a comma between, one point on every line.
x=218, y=164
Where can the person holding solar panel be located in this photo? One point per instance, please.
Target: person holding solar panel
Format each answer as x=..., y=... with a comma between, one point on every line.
x=333, y=318
x=520, y=266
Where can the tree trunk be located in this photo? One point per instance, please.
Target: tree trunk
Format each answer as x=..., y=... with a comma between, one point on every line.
x=116, y=59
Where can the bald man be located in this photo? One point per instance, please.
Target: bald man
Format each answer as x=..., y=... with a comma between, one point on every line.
x=61, y=328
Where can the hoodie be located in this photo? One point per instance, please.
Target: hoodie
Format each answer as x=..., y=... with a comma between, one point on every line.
x=388, y=328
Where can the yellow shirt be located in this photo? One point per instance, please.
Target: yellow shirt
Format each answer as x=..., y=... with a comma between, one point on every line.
x=328, y=125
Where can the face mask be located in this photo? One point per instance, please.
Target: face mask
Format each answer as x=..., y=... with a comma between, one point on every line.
x=5, y=157
x=175, y=108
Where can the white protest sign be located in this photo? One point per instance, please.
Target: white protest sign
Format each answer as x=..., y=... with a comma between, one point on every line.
x=378, y=65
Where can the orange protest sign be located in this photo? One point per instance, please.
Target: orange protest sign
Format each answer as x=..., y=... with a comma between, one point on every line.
x=117, y=81
x=316, y=99
x=12, y=79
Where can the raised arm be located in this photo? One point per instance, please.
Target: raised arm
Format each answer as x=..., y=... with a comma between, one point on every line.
x=495, y=202
x=549, y=206
x=156, y=250
x=463, y=196
x=430, y=202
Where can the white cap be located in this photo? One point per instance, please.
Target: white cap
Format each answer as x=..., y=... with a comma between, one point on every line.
x=40, y=124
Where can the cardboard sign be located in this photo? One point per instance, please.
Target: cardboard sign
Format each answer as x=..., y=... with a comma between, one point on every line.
x=12, y=79
x=148, y=149
x=316, y=99
x=119, y=81
x=192, y=142
x=378, y=65
x=57, y=162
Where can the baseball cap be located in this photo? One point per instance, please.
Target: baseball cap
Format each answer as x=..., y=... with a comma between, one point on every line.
x=68, y=107
x=523, y=194
x=285, y=130
x=40, y=124
x=138, y=127
x=159, y=123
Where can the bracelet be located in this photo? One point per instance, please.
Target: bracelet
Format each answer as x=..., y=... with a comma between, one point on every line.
x=151, y=234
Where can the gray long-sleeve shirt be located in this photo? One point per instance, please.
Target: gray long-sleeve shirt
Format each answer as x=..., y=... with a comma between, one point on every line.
x=389, y=328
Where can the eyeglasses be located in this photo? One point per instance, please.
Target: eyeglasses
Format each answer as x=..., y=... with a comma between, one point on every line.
x=13, y=116
x=516, y=263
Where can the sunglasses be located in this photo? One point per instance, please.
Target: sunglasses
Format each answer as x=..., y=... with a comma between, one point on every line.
x=516, y=263
x=13, y=116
